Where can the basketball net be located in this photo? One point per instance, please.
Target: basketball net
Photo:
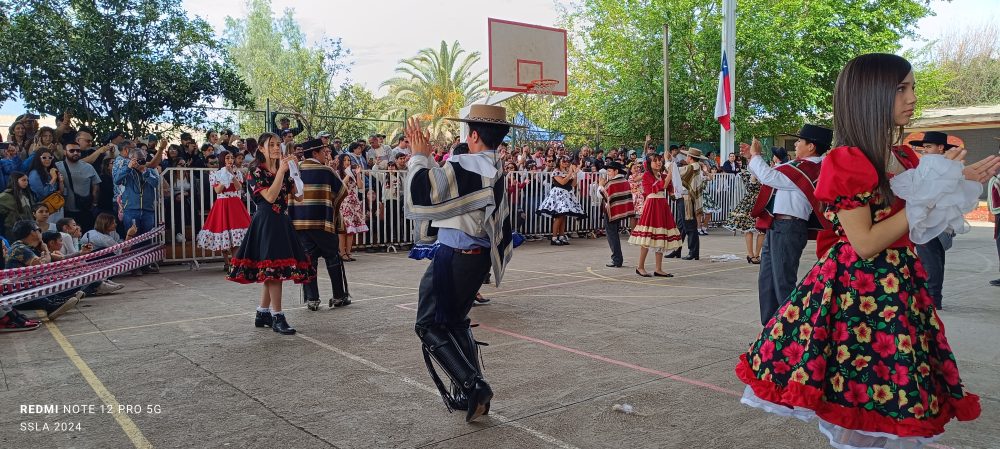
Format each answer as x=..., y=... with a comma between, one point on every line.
x=544, y=88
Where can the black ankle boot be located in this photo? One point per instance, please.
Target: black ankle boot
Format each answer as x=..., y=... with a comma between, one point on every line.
x=263, y=319
x=281, y=326
x=479, y=397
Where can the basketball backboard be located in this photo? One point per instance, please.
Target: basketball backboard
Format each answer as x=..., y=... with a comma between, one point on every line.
x=521, y=53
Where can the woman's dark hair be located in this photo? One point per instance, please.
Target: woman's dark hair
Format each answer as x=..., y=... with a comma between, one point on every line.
x=251, y=144
x=648, y=165
x=259, y=156
x=18, y=192
x=491, y=135
x=340, y=165
x=207, y=146
x=39, y=206
x=222, y=157
x=863, y=102
x=36, y=164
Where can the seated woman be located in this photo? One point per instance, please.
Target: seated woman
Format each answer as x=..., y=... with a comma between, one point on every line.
x=104, y=235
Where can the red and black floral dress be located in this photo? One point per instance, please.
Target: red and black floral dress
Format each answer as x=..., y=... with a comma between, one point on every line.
x=859, y=344
x=270, y=251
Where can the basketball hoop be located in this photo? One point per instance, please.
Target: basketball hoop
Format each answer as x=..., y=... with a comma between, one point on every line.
x=543, y=86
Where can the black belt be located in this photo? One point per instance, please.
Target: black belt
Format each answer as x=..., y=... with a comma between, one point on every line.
x=476, y=250
x=787, y=217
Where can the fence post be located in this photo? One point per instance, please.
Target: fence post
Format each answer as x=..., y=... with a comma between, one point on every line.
x=267, y=116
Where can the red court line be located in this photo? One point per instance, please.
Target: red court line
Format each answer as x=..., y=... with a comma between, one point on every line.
x=604, y=359
x=630, y=366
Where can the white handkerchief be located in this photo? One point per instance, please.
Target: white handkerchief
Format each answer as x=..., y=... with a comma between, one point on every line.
x=293, y=172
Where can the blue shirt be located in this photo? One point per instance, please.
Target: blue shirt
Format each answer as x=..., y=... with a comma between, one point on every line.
x=460, y=240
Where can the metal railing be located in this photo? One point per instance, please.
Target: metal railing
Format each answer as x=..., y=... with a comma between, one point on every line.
x=188, y=197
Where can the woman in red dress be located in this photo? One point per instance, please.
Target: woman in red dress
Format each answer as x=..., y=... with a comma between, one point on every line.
x=656, y=228
x=859, y=345
x=228, y=220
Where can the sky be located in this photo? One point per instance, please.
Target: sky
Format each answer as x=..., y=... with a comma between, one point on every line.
x=400, y=28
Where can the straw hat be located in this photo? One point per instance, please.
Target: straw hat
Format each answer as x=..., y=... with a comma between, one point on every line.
x=488, y=114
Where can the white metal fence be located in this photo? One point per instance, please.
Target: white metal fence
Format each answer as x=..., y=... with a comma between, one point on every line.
x=188, y=197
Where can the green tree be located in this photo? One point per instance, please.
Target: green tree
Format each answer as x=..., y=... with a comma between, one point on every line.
x=436, y=84
x=353, y=112
x=960, y=69
x=272, y=56
x=130, y=64
x=789, y=53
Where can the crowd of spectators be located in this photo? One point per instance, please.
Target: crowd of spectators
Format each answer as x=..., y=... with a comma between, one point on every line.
x=83, y=192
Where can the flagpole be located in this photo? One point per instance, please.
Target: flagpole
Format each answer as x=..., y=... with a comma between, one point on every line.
x=727, y=139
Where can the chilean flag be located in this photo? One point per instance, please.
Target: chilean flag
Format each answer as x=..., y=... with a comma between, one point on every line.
x=723, y=98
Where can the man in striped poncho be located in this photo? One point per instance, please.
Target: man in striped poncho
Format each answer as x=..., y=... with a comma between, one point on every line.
x=617, y=195
x=463, y=204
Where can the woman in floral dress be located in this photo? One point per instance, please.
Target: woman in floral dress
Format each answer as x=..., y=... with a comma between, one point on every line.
x=859, y=344
x=635, y=184
x=271, y=252
x=741, y=221
x=351, y=211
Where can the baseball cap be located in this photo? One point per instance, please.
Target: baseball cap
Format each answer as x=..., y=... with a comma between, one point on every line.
x=323, y=134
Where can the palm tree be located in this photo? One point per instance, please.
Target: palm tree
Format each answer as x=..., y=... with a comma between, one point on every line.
x=436, y=84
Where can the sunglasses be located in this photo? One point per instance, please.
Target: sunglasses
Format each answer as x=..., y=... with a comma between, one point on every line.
x=46, y=158
x=73, y=151
x=36, y=230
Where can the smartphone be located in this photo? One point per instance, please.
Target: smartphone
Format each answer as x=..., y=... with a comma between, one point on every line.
x=133, y=223
x=283, y=151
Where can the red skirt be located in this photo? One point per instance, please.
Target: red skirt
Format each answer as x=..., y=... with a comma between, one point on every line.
x=656, y=227
x=225, y=226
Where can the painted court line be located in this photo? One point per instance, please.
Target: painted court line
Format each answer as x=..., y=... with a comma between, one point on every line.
x=126, y=423
x=215, y=317
x=410, y=381
x=620, y=363
x=601, y=358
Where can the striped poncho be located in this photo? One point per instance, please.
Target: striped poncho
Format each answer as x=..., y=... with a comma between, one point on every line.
x=436, y=193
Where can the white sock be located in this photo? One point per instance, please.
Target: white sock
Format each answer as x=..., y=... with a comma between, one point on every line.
x=263, y=309
x=273, y=313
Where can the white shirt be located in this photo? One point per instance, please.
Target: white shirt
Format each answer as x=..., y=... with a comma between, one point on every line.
x=788, y=199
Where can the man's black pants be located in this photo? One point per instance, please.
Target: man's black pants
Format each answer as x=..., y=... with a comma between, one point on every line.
x=326, y=245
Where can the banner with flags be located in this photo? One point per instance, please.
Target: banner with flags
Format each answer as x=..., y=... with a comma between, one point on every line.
x=723, y=98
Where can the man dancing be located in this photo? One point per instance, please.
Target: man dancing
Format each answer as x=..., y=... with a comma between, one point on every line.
x=464, y=204
x=316, y=218
x=789, y=211
x=616, y=194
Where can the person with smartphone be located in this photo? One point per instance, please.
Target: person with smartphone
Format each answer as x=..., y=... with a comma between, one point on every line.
x=140, y=190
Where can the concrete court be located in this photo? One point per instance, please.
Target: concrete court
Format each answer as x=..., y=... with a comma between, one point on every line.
x=568, y=338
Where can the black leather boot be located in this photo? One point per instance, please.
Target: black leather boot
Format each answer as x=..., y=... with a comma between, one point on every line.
x=281, y=326
x=263, y=319
x=441, y=345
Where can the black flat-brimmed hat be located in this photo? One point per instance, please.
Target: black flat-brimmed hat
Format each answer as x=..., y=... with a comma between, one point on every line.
x=311, y=145
x=615, y=165
x=487, y=114
x=933, y=137
x=817, y=135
